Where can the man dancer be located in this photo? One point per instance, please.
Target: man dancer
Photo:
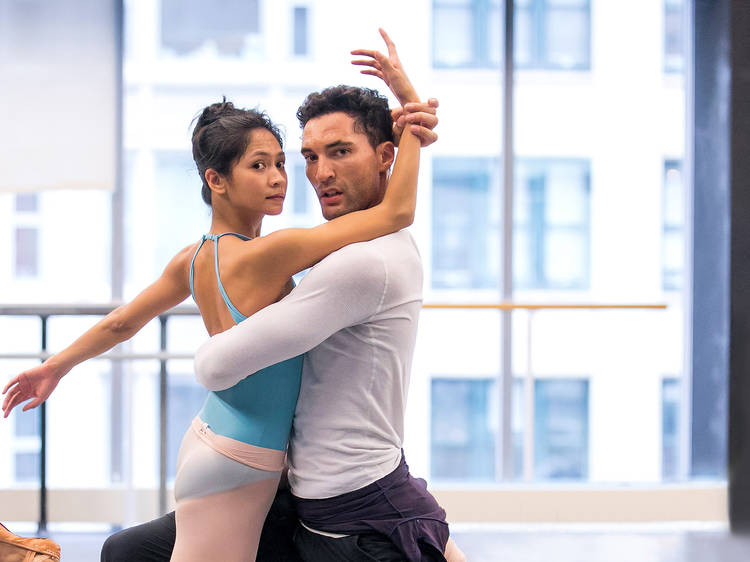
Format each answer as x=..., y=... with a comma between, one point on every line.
x=355, y=313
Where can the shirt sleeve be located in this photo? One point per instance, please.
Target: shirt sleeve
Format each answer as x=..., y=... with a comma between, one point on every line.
x=344, y=289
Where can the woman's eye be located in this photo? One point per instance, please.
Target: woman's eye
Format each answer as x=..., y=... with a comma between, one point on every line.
x=280, y=165
x=259, y=165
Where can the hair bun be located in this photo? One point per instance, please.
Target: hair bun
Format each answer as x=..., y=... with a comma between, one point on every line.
x=214, y=112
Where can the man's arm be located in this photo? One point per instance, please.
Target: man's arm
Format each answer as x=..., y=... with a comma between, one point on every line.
x=344, y=289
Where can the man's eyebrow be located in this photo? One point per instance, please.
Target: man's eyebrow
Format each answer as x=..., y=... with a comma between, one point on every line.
x=338, y=143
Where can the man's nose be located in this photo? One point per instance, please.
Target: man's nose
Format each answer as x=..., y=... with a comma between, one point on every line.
x=323, y=171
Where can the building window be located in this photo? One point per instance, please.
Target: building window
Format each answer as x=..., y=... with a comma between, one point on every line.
x=673, y=213
x=183, y=216
x=27, y=423
x=300, y=189
x=191, y=25
x=674, y=37
x=465, y=223
x=552, y=34
x=27, y=467
x=561, y=429
x=300, y=38
x=27, y=252
x=466, y=33
x=27, y=202
x=549, y=34
x=670, y=424
x=462, y=439
x=185, y=399
x=551, y=229
x=464, y=417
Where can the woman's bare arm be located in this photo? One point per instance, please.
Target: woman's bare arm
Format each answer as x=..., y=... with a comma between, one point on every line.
x=118, y=326
x=283, y=253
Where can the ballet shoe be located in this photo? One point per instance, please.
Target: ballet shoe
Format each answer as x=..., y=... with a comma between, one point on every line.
x=19, y=549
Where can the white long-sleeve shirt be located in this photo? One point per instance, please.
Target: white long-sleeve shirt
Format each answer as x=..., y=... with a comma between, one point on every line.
x=355, y=314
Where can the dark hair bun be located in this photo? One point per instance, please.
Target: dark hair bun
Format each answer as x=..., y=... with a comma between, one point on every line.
x=214, y=112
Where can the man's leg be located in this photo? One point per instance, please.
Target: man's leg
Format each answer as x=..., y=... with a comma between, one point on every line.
x=276, y=543
x=149, y=542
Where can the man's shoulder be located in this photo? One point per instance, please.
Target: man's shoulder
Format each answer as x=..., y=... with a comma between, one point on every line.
x=385, y=248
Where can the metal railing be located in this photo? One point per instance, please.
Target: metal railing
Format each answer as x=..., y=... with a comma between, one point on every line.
x=45, y=312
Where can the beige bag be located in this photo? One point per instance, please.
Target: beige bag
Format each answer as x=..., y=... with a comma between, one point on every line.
x=18, y=549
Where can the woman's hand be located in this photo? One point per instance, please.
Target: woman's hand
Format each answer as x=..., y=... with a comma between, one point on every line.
x=421, y=118
x=388, y=69
x=37, y=383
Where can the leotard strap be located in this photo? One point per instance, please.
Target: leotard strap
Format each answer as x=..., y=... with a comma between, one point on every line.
x=236, y=314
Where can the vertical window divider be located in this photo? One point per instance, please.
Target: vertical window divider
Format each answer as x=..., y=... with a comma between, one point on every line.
x=504, y=449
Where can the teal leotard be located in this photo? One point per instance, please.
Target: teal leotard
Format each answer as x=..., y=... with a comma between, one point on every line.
x=257, y=410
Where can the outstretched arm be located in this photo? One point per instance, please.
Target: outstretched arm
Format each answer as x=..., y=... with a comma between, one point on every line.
x=119, y=325
x=281, y=254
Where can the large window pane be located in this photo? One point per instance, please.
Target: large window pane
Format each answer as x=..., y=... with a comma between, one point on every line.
x=561, y=421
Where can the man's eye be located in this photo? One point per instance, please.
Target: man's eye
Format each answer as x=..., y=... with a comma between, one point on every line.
x=280, y=165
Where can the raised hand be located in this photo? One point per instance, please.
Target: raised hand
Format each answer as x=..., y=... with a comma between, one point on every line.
x=37, y=383
x=388, y=69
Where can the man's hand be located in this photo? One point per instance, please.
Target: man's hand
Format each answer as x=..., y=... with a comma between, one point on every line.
x=421, y=117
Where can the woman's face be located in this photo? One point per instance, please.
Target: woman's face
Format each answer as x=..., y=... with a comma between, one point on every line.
x=257, y=182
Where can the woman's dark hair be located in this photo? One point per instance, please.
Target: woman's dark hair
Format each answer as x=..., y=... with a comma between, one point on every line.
x=221, y=135
x=367, y=107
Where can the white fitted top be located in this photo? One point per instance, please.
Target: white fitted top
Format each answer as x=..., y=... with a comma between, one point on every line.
x=355, y=314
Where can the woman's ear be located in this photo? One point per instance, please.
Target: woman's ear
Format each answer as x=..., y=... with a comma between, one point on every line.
x=215, y=181
x=385, y=152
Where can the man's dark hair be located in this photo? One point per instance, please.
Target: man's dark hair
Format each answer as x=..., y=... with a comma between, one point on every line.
x=367, y=107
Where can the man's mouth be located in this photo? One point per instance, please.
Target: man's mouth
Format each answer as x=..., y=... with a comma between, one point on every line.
x=330, y=195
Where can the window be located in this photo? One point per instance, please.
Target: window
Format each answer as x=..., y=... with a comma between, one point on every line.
x=27, y=467
x=27, y=202
x=673, y=36
x=552, y=34
x=190, y=25
x=670, y=424
x=465, y=223
x=27, y=252
x=561, y=429
x=182, y=214
x=463, y=444
x=672, y=227
x=27, y=423
x=185, y=398
x=551, y=228
x=466, y=33
x=300, y=38
x=549, y=34
x=300, y=189
x=464, y=417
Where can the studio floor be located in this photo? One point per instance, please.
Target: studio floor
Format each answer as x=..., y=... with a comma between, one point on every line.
x=674, y=542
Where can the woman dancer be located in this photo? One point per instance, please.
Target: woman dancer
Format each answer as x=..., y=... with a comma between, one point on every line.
x=231, y=458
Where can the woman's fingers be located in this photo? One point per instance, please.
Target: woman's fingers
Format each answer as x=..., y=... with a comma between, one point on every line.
x=388, y=43
x=11, y=382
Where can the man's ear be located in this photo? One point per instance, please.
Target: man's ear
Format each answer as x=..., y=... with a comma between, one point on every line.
x=386, y=152
x=215, y=181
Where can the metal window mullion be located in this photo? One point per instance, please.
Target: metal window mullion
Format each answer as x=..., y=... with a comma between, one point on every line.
x=504, y=449
x=163, y=405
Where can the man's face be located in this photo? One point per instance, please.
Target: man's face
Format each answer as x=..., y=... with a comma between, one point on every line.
x=346, y=172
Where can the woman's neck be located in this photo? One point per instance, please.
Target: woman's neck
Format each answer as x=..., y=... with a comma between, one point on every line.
x=250, y=228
